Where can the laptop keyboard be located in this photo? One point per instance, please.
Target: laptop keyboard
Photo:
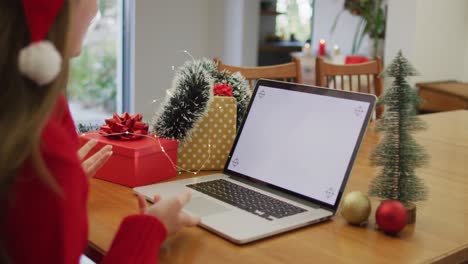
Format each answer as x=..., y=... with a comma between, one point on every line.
x=247, y=199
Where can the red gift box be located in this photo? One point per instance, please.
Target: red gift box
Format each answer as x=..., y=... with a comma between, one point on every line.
x=137, y=162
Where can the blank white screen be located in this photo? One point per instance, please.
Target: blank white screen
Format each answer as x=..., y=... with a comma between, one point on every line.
x=299, y=141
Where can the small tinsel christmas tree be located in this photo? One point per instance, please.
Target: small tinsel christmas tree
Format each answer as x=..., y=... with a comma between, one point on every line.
x=191, y=95
x=398, y=153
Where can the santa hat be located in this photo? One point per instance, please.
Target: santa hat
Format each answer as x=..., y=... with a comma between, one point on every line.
x=40, y=61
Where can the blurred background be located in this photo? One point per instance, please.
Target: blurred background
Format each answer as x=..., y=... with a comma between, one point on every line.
x=129, y=55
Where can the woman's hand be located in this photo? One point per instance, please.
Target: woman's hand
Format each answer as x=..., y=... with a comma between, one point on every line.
x=95, y=162
x=169, y=211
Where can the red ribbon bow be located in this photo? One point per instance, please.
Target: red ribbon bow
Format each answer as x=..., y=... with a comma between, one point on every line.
x=125, y=127
x=222, y=89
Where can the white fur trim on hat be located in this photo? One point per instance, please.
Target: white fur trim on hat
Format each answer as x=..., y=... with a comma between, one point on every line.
x=40, y=62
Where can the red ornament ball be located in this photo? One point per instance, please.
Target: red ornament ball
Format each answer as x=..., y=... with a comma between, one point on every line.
x=391, y=216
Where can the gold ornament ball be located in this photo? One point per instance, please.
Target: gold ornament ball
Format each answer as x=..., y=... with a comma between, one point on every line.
x=356, y=208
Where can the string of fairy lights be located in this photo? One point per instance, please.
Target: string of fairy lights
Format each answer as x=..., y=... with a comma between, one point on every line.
x=179, y=169
x=173, y=68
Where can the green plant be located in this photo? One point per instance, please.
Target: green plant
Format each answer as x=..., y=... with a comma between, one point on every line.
x=372, y=22
x=87, y=127
x=292, y=21
x=93, y=79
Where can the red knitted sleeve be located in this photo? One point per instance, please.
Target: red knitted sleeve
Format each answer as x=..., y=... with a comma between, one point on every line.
x=140, y=236
x=137, y=241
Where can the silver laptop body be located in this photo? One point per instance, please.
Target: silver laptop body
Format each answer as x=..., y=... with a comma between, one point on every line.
x=288, y=166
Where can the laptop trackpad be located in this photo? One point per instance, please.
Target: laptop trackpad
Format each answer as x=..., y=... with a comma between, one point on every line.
x=201, y=206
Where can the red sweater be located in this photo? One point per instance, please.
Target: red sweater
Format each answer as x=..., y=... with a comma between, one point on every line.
x=43, y=227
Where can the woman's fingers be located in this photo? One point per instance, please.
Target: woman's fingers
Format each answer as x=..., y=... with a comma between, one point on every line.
x=101, y=153
x=142, y=206
x=86, y=148
x=99, y=163
x=183, y=198
x=184, y=218
x=169, y=211
x=189, y=220
x=157, y=198
x=95, y=162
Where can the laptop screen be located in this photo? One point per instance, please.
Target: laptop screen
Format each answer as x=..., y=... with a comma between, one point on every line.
x=299, y=141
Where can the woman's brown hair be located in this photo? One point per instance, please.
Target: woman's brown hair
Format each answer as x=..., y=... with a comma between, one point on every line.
x=25, y=106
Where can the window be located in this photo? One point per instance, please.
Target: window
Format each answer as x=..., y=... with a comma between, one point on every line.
x=296, y=21
x=98, y=83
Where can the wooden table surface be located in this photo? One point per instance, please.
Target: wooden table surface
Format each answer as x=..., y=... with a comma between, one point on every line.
x=439, y=235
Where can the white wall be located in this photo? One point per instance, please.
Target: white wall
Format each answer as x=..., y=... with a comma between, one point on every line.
x=206, y=28
x=432, y=34
x=401, y=29
x=251, y=31
x=233, y=28
x=162, y=30
x=325, y=14
x=241, y=29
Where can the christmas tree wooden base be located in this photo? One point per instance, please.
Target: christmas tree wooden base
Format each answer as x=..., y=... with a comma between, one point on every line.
x=411, y=213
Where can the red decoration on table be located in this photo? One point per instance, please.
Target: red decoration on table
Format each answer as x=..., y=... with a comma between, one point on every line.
x=125, y=127
x=355, y=59
x=222, y=89
x=322, y=48
x=391, y=216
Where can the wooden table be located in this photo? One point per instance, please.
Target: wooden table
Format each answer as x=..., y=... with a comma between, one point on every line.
x=440, y=234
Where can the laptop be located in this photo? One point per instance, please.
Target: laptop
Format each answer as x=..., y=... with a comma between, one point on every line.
x=288, y=166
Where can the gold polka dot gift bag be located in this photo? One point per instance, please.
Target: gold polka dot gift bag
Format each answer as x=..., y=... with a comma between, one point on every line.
x=211, y=140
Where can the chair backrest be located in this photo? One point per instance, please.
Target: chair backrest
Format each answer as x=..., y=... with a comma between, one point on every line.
x=363, y=77
x=284, y=72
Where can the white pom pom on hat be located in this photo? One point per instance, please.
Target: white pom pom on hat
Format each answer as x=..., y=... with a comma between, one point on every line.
x=40, y=61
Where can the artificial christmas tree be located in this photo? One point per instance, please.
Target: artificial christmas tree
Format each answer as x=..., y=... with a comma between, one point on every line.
x=203, y=110
x=398, y=153
x=191, y=94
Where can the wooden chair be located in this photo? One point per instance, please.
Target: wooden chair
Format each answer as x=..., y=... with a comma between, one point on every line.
x=283, y=72
x=362, y=77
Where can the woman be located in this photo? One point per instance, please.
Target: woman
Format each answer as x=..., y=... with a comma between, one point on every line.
x=43, y=182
